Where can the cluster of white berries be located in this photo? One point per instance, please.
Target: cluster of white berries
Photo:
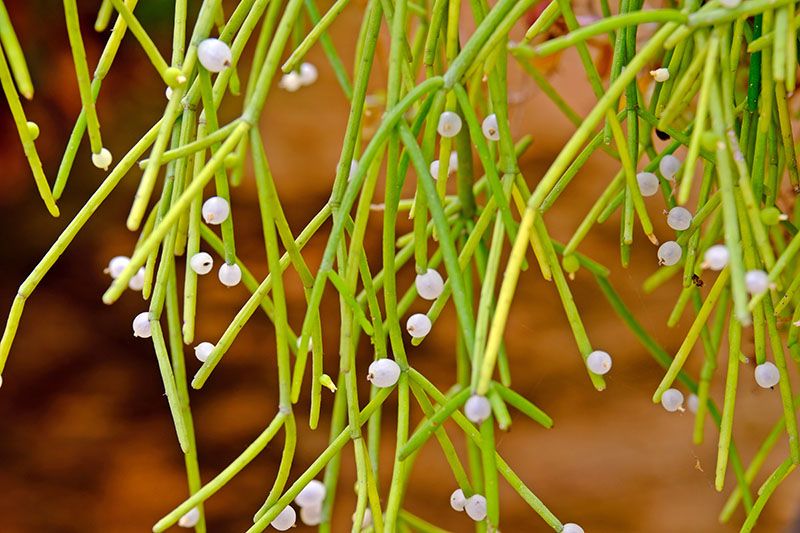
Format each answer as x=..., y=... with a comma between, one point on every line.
x=294, y=80
x=310, y=501
x=452, y=165
x=285, y=520
x=477, y=408
x=118, y=264
x=383, y=373
x=214, y=55
x=474, y=506
x=598, y=362
x=672, y=400
x=767, y=375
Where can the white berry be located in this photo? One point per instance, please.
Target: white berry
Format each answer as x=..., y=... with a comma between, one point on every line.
x=693, y=402
x=141, y=325
x=418, y=325
x=190, y=519
x=353, y=169
x=137, y=281
x=311, y=516
x=599, y=362
x=201, y=263
x=214, y=55
x=312, y=494
x=669, y=165
x=716, y=257
x=449, y=124
x=679, y=218
x=308, y=73
x=102, y=159
x=203, y=350
x=453, y=163
x=230, y=275
x=669, y=253
x=756, y=281
x=648, y=183
x=291, y=81
x=429, y=285
x=660, y=74
x=672, y=400
x=475, y=507
x=572, y=528
x=285, y=519
x=434, y=169
x=490, y=129
x=458, y=500
x=767, y=375
x=117, y=265
x=477, y=408
x=383, y=373
x=216, y=210
x=168, y=94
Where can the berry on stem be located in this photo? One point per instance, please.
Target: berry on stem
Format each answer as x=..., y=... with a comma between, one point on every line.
x=449, y=124
x=201, y=263
x=203, y=350
x=477, y=408
x=311, y=495
x=285, y=519
x=672, y=400
x=137, y=281
x=458, y=500
x=117, y=265
x=216, y=210
x=230, y=275
x=599, y=362
x=214, y=55
x=418, y=325
x=141, y=325
x=383, y=373
x=669, y=165
x=660, y=75
x=648, y=183
x=102, y=159
x=490, y=129
x=308, y=74
x=679, y=218
x=669, y=253
x=429, y=285
x=190, y=519
x=716, y=257
x=767, y=375
x=572, y=528
x=756, y=281
x=475, y=506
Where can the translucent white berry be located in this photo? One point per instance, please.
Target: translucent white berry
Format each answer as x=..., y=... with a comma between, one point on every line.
x=475, y=507
x=312, y=515
x=679, y=218
x=353, y=169
x=102, y=159
x=490, y=129
x=477, y=408
x=693, y=402
x=367, y=520
x=214, y=55
x=285, y=519
x=716, y=257
x=418, y=325
x=429, y=285
x=383, y=373
x=598, y=362
x=669, y=165
x=767, y=375
x=190, y=519
x=230, y=275
x=291, y=81
x=201, y=263
x=648, y=183
x=672, y=400
x=141, y=325
x=452, y=166
x=458, y=500
x=168, y=94
x=434, y=168
x=312, y=494
x=756, y=281
x=660, y=74
x=730, y=4
x=669, y=253
x=308, y=73
x=203, y=350
x=449, y=124
x=117, y=265
x=216, y=210
x=137, y=281
x=572, y=528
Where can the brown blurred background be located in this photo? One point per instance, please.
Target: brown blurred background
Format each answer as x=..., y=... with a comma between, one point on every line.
x=86, y=440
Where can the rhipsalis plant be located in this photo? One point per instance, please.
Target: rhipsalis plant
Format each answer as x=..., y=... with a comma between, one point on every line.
x=708, y=81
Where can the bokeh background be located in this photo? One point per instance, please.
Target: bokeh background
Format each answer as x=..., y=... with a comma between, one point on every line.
x=86, y=440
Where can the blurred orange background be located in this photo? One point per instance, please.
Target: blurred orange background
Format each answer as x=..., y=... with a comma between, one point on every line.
x=86, y=439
